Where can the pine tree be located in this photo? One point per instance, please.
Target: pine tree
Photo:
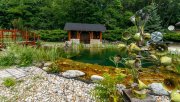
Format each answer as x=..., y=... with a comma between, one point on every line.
x=154, y=22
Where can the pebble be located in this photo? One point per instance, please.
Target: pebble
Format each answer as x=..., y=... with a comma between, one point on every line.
x=96, y=78
x=72, y=73
x=39, y=86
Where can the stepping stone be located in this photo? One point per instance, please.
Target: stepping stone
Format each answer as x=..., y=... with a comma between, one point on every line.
x=16, y=73
x=4, y=74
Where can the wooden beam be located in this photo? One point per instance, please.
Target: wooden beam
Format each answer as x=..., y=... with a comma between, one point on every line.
x=69, y=35
x=78, y=35
x=91, y=35
x=101, y=36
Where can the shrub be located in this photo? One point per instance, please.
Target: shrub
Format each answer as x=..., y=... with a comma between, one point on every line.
x=26, y=58
x=8, y=82
x=172, y=36
x=112, y=35
x=53, y=69
x=7, y=60
x=106, y=90
x=52, y=35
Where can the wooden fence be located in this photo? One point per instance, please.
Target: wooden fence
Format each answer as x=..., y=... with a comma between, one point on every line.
x=18, y=36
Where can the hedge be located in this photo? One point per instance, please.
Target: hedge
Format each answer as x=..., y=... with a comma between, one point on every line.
x=52, y=35
x=172, y=36
x=61, y=35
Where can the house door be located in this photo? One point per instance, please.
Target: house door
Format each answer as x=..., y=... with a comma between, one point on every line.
x=85, y=37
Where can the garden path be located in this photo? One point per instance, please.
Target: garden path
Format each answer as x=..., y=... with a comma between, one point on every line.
x=14, y=72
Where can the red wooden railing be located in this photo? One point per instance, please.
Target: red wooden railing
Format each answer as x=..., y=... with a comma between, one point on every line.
x=27, y=38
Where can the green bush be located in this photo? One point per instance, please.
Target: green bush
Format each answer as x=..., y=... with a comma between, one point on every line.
x=172, y=36
x=26, y=58
x=7, y=60
x=116, y=35
x=53, y=35
x=112, y=35
x=106, y=90
x=53, y=69
x=8, y=82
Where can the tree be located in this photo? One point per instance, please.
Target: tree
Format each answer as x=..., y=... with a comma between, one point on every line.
x=154, y=22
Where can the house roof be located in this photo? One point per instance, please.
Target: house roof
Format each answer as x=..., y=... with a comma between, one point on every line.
x=84, y=27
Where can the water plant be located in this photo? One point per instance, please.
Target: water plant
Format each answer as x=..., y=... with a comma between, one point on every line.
x=26, y=55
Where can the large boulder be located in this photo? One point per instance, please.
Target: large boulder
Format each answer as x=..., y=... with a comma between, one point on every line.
x=96, y=78
x=72, y=73
x=158, y=89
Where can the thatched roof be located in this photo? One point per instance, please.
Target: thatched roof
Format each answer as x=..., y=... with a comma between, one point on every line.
x=84, y=27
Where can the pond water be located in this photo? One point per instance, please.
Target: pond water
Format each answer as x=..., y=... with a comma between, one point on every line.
x=98, y=56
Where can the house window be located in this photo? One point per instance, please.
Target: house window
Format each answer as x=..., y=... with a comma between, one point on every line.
x=73, y=35
x=96, y=35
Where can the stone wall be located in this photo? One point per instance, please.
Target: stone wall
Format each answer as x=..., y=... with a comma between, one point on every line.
x=75, y=41
x=95, y=43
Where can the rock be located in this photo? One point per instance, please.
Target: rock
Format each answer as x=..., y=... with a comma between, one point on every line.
x=158, y=89
x=45, y=68
x=133, y=85
x=96, y=78
x=39, y=65
x=73, y=73
x=120, y=87
x=162, y=99
x=47, y=64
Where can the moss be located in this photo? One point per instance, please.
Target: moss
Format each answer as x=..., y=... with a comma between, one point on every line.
x=147, y=76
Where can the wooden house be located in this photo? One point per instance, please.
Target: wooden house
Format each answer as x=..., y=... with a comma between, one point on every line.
x=85, y=33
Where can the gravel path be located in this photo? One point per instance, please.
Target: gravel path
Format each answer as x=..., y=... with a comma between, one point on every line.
x=38, y=86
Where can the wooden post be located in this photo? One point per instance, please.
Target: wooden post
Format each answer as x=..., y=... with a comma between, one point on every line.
x=91, y=35
x=1, y=39
x=69, y=35
x=26, y=36
x=78, y=35
x=15, y=35
x=100, y=36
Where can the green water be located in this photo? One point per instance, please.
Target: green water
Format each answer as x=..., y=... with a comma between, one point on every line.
x=100, y=56
x=97, y=56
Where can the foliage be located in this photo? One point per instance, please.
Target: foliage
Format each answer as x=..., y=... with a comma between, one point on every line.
x=52, y=35
x=27, y=55
x=112, y=35
x=53, y=14
x=106, y=90
x=26, y=58
x=172, y=36
x=7, y=59
x=154, y=22
x=8, y=82
x=53, y=69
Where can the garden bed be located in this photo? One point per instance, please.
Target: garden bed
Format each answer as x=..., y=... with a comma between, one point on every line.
x=147, y=75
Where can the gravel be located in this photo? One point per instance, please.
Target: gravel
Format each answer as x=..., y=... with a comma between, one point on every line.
x=38, y=86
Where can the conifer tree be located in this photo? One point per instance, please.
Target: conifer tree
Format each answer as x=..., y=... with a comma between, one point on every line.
x=154, y=22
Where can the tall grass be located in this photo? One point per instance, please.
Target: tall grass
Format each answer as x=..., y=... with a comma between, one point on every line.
x=26, y=55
